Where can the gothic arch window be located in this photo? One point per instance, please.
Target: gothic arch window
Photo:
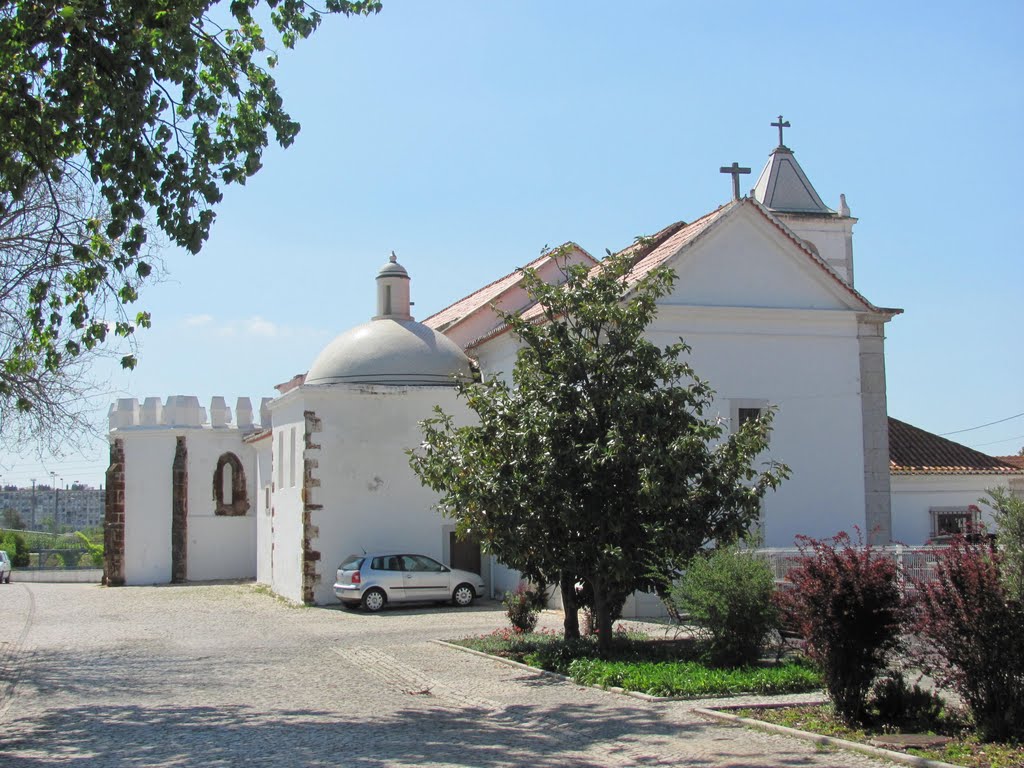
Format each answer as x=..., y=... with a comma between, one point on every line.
x=229, y=487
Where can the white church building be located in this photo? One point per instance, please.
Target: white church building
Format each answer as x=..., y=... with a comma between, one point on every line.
x=765, y=297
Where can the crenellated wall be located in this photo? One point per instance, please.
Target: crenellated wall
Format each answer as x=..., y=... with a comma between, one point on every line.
x=191, y=487
x=185, y=411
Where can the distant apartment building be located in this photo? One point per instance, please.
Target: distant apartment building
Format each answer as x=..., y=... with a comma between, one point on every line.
x=75, y=506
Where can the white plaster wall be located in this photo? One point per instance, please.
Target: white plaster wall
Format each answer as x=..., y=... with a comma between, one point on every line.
x=498, y=356
x=751, y=263
x=806, y=363
x=370, y=498
x=219, y=547
x=147, y=526
x=264, y=521
x=914, y=495
x=285, y=550
x=831, y=236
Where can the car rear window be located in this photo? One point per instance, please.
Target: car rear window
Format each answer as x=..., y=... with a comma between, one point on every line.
x=351, y=563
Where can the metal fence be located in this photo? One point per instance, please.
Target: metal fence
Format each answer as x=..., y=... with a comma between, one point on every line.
x=912, y=563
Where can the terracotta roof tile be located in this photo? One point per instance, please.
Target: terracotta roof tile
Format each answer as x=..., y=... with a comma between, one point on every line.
x=1017, y=461
x=465, y=306
x=662, y=246
x=913, y=451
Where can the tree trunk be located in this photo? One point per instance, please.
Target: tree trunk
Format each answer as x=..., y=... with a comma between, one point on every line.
x=571, y=624
x=602, y=619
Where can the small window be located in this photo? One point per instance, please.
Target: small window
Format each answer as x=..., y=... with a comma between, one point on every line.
x=742, y=410
x=421, y=564
x=291, y=462
x=230, y=491
x=279, y=459
x=748, y=414
x=953, y=521
x=352, y=563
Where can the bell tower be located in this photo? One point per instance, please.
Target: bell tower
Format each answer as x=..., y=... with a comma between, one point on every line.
x=784, y=189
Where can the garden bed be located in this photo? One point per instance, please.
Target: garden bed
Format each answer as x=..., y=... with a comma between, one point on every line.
x=948, y=739
x=662, y=668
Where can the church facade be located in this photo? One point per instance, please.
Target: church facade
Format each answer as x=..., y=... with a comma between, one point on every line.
x=765, y=297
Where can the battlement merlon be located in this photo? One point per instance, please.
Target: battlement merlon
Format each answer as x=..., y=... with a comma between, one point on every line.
x=185, y=411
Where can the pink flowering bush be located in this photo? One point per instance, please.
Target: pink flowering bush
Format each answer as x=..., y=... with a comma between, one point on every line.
x=846, y=603
x=972, y=637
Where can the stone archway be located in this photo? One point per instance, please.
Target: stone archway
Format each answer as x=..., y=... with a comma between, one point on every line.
x=232, y=500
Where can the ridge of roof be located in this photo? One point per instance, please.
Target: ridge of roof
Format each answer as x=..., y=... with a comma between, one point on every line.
x=768, y=214
x=915, y=451
x=644, y=247
x=462, y=308
x=654, y=251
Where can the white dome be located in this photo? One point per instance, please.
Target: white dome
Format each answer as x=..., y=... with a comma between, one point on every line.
x=395, y=352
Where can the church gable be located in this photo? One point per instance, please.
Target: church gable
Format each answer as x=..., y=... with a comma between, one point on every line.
x=745, y=258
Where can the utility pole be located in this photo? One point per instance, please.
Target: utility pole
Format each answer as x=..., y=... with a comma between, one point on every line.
x=56, y=522
x=33, y=504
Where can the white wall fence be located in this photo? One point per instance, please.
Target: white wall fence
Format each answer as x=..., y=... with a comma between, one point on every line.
x=912, y=563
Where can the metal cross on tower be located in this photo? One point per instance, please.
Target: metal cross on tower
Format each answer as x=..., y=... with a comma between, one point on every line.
x=734, y=170
x=780, y=125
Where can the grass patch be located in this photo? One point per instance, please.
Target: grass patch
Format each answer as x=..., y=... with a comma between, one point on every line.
x=964, y=749
x=638, y=663
x=693, y=679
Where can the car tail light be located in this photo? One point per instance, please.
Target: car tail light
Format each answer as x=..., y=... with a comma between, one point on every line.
x=356, y=578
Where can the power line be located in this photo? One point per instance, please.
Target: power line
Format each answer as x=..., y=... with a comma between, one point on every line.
x=996, y=442
x=971, y=429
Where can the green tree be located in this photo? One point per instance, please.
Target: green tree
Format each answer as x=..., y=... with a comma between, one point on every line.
x=13, y=519
x=597, y=462
x=14, y=544
x=122, y=117
x=1008, y=511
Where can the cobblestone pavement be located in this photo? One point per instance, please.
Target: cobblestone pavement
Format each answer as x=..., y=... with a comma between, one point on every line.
x=223, y=675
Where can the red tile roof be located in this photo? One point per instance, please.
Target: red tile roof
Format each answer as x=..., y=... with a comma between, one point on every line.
x=656, y=250
x=1017, y=461
x=913, y=451
x=464, y=307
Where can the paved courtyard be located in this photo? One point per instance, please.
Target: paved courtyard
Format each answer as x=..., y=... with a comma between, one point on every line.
x=224, y=675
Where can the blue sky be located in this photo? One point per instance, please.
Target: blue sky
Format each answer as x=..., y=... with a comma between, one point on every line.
x=467, y=136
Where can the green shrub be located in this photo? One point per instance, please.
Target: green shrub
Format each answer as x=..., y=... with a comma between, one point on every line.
x=728, y=593
x=559, y=656
x=522, y=608
x=845, y=601
x=94, y=554
x=14, y=544
x=693, y=679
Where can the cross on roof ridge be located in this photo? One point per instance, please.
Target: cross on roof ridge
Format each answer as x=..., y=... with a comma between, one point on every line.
x=734, y=170
x=780, y=125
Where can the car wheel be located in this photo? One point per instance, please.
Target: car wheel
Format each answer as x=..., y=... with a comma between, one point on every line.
x=374, y=600
x=463, y=595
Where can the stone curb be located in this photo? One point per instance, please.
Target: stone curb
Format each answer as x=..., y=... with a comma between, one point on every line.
x=831, y=741
x=612, y=689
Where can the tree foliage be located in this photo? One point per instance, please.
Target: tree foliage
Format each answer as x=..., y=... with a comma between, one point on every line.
x=596, y=463
x=118, y=118
x=1008, y=511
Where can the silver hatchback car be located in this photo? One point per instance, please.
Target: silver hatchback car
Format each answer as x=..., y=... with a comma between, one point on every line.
x=374, y=580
